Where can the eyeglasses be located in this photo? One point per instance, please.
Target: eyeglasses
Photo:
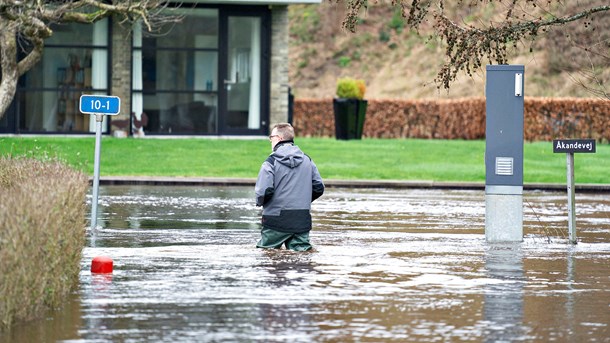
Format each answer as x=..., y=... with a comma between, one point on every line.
x=271, y=136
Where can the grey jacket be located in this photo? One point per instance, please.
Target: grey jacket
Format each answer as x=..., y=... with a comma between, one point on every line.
x=288, y=182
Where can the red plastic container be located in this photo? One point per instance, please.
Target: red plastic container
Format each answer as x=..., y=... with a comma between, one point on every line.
x=101, y=265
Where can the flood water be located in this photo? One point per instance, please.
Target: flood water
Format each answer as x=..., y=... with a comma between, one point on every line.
x=388, y=266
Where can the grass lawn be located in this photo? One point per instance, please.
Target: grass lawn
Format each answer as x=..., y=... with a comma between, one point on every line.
x=368, y=159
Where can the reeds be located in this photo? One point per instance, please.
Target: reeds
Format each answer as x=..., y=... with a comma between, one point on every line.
x=42, y=234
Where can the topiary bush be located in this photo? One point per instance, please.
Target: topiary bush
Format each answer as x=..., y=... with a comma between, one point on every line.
x=350, y=88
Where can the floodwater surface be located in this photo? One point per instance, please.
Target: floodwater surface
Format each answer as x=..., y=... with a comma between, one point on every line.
x=388, y=266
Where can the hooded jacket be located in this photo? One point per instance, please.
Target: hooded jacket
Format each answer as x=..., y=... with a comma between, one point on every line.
x=288, y=182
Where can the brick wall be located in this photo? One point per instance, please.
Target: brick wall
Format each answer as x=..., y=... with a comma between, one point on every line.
x=121, y=67
x=278, y=106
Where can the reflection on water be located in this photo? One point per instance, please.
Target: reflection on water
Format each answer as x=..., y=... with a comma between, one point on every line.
x=388, y=265
x=503, y=307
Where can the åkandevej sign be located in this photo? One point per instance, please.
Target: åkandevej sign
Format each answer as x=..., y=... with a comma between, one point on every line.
x=100, y=104
x=574, y=145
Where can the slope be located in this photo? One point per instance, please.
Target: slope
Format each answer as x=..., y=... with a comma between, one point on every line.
x=398, y=63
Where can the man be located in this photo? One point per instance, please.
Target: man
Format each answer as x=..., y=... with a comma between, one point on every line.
x=288, y=182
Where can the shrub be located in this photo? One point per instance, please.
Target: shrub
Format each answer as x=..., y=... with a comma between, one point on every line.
x=42, y=221
x=384, y=36
x=344, y=61
x=397, y=22
x=350, y=88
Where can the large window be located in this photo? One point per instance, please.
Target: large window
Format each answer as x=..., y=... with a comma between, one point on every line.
x=175, y=75
x=74, y=61
x=243, y=77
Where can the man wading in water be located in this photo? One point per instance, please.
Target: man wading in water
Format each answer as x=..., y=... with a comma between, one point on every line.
x=288, y=182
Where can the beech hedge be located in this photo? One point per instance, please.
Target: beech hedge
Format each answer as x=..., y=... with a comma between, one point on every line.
x=545, y=119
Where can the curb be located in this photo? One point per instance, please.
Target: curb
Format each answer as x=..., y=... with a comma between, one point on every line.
x=395, y=184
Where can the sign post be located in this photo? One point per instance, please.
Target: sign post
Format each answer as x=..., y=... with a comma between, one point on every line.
x=569, y=147
x=98, y=105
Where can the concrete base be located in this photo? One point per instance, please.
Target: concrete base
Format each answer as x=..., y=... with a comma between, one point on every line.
x=503, y=218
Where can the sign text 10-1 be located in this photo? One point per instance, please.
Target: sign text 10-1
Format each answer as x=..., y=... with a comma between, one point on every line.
x=100, y=104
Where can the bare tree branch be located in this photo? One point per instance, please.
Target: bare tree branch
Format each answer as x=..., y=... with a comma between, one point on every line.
x=468, y=46
x=32, y=19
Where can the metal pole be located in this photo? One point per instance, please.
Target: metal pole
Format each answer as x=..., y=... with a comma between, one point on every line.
x=571, y=199
x=96, y=169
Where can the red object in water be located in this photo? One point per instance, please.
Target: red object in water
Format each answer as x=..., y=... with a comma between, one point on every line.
x=101, y=265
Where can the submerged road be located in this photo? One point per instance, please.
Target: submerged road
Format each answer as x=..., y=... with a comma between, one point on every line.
x=389, y=265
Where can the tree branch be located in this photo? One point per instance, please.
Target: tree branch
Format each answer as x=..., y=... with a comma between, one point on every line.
x=31, y=20
x=468, y=47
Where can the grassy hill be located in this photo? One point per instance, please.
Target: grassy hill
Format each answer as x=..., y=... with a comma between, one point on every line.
x=398, y=63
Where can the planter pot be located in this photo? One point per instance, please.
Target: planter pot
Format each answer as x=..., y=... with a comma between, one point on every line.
x=349, y=118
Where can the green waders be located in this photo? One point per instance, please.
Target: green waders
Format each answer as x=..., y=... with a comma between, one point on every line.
x=272, y=239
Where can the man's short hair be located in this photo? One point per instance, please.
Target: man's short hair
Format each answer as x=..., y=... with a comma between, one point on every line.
x=285, y=130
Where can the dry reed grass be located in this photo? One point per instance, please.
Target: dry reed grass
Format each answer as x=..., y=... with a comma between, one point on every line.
x=42, y=221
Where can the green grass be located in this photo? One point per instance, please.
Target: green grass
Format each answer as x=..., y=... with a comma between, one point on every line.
x=368, y=159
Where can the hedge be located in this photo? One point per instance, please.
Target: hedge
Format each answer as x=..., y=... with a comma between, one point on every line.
x=42, y=234
x=544, y=118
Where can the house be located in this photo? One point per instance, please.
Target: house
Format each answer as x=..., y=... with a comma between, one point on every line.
x=223, y=70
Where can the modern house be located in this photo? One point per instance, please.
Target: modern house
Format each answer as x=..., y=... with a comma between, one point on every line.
x=223, y=70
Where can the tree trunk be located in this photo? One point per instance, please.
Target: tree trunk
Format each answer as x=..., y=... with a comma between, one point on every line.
x=8, y=60
x=11, y=68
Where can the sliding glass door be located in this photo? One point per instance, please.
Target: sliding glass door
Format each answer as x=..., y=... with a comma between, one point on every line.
x=244, y=94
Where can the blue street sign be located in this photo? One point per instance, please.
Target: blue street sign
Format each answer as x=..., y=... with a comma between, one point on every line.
x=100, y=104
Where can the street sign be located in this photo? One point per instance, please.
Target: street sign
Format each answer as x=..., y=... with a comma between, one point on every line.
x=574, y=145
x=100, y=104
x=569, y=147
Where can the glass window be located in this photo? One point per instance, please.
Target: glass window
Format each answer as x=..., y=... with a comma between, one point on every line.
x=175, y=75
x=69, y=67
x=45, y=111
x=177, y=70
x=180, y=113
x=74, y=61
x=71, y=34
x=198, y=29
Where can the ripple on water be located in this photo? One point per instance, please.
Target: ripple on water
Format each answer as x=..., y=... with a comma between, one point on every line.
x=388, y=265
